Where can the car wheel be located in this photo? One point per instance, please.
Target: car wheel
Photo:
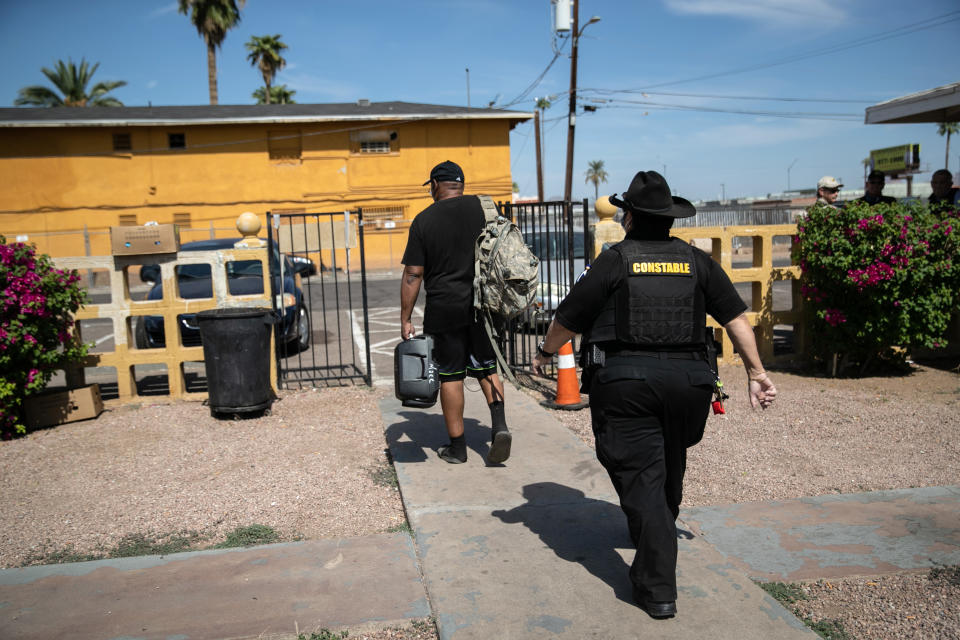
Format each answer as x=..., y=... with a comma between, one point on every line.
x=303, y=328
x=140, y=334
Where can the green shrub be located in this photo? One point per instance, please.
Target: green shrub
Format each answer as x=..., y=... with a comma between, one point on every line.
x=877, y=277
x=38, y=334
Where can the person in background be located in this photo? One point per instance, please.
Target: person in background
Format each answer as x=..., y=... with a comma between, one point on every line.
x=642, y=311
x=944, y=193
x=873, y=189
x=828, y=190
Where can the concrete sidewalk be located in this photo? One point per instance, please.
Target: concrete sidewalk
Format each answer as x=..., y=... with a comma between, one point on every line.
x=538, y=547
x=260, y=592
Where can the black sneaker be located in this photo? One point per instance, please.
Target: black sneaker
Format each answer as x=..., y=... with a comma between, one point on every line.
x=446, y=453
x=500, y=446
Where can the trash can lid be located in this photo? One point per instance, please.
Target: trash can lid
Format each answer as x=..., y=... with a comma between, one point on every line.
x=249, y=312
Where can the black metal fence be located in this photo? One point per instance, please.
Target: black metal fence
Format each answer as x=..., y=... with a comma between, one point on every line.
x=560, y=234
x=320, y=248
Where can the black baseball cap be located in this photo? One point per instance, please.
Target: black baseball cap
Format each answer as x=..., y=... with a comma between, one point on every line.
x=446, y=172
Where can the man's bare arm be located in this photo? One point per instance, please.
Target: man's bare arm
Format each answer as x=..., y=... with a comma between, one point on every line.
x=409, y=290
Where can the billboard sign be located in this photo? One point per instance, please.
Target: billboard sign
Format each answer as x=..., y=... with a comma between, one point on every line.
x=904, y=158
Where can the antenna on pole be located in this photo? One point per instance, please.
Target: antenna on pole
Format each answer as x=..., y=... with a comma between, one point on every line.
x=468, y=87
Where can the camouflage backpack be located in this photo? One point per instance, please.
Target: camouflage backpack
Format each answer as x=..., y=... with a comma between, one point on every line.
x=505, y=275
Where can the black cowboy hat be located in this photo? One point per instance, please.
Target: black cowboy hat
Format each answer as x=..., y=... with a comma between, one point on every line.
x=649, y=193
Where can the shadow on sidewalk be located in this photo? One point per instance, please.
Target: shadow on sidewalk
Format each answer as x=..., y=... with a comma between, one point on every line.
x=577, y=529
x=428, y=431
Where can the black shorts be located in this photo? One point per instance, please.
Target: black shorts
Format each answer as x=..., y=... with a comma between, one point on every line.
x=464, y=352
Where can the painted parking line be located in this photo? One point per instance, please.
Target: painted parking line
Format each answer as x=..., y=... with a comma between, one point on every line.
x=383, y=321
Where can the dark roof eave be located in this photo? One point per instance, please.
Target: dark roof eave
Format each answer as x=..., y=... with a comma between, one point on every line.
x=175, y=116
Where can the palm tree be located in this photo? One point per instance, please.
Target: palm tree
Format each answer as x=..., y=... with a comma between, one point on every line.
x=279, y=94
x=72, y=82
x=596, y=174
x=265, y=53
x=212, y=18
x=947, y=129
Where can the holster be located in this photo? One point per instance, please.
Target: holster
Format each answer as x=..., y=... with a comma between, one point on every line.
x=592, y=360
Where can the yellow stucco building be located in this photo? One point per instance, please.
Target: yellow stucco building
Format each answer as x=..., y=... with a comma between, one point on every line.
x=68, y=174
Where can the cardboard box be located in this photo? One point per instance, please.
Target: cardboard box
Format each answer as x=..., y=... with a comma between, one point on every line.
x=134, y=241
x=58, y=407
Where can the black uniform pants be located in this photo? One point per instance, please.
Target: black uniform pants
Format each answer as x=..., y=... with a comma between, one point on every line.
x=646, y=412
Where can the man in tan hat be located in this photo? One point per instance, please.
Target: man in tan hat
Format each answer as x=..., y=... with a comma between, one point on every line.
x=828, y=190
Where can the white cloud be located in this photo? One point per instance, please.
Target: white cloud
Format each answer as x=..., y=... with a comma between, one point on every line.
x=776, y=11
x=164, y=10
x=152, y=84
x=310, y=85
x=764, y=132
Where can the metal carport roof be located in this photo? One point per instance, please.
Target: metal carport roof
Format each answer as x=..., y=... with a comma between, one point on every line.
x=941, y=104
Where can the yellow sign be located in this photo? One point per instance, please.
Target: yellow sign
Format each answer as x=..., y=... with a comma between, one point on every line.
x=904, y=158
x=661, y=268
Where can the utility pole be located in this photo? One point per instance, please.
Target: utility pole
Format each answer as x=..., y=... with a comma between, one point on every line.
x=788, y=173
x=536, y=126
x=468, y=87
x=723, y=188
x=575, y=32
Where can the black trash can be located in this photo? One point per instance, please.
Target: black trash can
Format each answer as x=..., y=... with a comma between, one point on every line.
x=236, y=351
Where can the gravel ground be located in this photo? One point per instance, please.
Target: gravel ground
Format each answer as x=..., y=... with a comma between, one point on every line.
x=307, y=470
x=826, y=436
x=159, y=469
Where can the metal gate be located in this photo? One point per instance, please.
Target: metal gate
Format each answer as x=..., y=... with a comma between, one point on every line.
x=322, y=329
x=559, y=233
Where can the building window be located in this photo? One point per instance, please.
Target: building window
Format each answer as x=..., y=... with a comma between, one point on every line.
x=182, y=220
x=177, y=140
x=121, y=142
x=374, y=147
x=374, y=142
x=284, y=145
x=128, y=220
x=383, y=213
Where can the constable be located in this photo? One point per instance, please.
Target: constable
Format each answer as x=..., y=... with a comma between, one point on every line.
x=641, y=309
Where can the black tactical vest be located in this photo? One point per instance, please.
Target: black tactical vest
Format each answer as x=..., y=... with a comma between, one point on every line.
x=659, y=305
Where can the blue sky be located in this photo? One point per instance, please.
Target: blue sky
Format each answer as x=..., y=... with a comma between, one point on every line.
x=418, y=50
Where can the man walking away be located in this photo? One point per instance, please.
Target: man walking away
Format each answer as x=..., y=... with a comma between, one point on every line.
x=642, y=311
x=440, y=254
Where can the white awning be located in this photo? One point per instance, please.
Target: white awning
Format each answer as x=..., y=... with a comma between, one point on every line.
x=934, y=105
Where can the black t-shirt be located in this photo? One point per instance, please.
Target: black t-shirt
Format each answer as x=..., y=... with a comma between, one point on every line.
x=442, y=240
x=580, y=308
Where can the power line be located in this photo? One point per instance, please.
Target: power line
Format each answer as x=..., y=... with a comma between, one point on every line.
x=802, y=115
x=725, y=97
x=929, y=23
x=533, y=85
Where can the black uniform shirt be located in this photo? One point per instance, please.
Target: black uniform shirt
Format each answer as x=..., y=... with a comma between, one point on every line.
x=442, y=240
x=581, y=307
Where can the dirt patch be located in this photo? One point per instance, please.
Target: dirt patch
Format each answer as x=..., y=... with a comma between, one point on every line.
x=315, y=468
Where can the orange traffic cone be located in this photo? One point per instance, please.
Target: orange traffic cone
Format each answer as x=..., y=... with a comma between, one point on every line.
x=568, y=388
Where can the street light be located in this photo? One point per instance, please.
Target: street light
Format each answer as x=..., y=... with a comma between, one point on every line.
x=577, y=31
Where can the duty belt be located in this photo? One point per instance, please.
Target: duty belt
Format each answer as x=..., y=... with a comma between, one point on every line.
x=662, y=355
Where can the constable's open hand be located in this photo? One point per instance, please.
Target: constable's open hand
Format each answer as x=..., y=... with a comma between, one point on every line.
x=406, y=330
x=761, y=391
